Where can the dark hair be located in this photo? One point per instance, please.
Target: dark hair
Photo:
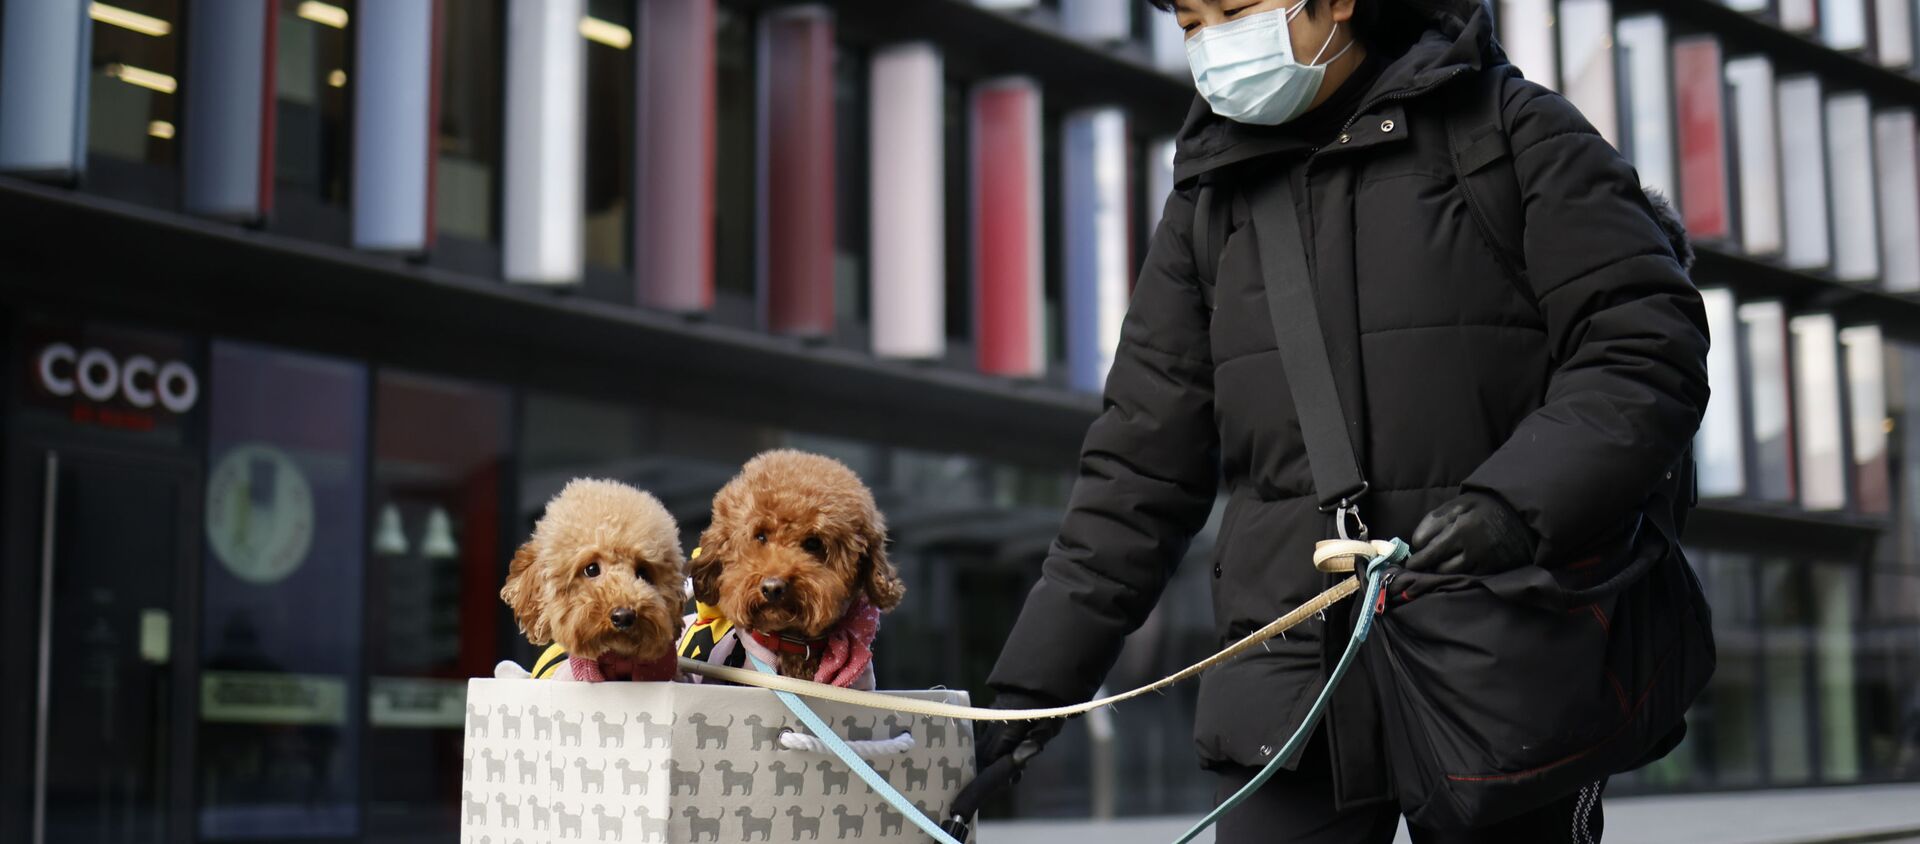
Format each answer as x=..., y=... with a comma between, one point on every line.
x=1388, y=26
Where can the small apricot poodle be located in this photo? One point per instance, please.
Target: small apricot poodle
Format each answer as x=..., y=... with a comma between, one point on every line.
x=601, y=578
x=796, y=556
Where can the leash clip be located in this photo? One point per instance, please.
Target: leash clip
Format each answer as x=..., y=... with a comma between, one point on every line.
x=1348, y=509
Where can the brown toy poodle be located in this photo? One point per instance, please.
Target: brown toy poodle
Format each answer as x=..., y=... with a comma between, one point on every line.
x=795, y=559
x=601, y=579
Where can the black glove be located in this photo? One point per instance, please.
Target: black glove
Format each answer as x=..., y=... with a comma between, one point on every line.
x=1475, y=533
x=1001, y=752
x=999, y=739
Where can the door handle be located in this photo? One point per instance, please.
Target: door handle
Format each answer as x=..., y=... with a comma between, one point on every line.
x=49, y=510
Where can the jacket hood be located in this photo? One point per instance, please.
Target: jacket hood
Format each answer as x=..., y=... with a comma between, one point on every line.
x=1451, y=45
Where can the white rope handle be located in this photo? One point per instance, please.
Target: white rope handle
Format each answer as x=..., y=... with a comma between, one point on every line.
x=794, y=740
x=1332, y=555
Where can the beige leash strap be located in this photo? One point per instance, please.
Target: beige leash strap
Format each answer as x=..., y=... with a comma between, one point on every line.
x=1332, y=556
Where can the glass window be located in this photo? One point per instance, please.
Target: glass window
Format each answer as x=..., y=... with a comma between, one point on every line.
x=133, y=101
x=1786, y=648
x=610, y=118
x=312, y=70
x=1890, y=676
x=466, y=175
x=959, y=221
x=279, y=744
x=435, y=564
x=1836, y=602
x=1727, y=723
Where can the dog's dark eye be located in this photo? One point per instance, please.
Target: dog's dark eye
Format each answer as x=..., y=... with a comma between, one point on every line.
x=760, y=538
x=640, y=572
x=814, y=546
x=593, y=569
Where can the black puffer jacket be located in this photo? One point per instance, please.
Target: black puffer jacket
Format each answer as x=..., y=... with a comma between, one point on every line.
x=1570, y=398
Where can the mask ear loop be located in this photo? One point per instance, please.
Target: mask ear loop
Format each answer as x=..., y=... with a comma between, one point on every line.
x=1323, y=48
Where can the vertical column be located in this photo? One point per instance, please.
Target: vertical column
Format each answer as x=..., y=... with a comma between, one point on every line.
x=674, y=143
x=1866, y=365
x=542, y=198
x=1007, y=228
x=1720, y=444
x=908, y=220
x=1587, y=74
x=1856, y=226
x=1893, y=32
x=1094, y=210
x=1648, y=102
x=45, y=46
x=1098, y=21
x=1159, y=182
x=394, y=114
x=1819, y=434
x=1526, y=31
x=1895, y=160
x=228, y=137
x=1770, y=426
x=1804, y=185
x=1756, y=143
x=1706, y=197
x=796, y=230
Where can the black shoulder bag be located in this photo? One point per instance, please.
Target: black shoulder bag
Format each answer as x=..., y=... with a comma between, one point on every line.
x=1499, y=694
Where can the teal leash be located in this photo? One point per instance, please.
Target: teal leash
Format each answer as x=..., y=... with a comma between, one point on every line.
x=1376, y=571
x=859, y=766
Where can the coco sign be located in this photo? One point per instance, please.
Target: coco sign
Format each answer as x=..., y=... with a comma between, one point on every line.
x=115, y=379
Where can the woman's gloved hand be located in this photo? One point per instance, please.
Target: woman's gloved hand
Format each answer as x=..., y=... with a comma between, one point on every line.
x=999, y=739
x=1476, y=533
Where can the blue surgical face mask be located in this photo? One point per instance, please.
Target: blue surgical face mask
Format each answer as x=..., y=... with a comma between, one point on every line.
x=1247, y=71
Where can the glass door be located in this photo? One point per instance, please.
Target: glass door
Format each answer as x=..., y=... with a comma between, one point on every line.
x=112, y=712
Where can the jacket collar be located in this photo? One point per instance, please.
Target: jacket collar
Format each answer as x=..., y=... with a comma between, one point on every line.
x=1451, y=47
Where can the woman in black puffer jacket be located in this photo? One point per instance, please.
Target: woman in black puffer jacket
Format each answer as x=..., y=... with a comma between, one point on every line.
x=1504, y=422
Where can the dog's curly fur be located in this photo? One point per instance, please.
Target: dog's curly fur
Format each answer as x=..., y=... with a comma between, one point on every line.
x=636, y=545
x=805, y=519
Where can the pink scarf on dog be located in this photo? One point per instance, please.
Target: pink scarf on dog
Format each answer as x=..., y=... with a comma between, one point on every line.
x=623, y=668
x=850, y=646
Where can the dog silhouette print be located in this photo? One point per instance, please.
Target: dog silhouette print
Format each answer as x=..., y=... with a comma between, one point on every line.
x=831, y=778
x=764, y=735
x=731, y=779
x=851, y=824
x=890, y=820
x=698, y=826
x=608, y=826
x=476, y=809
x=542, y=728
x=611, y=733
x=949, y=774
x=591, y=778
x=855, y=732
x=509, y=812
x=632, y=778
x=568, y=820
x=537, y=815
x=916, y=776
x=651, y=734
x=529, y=768
x=783, y=781
x=750, y=825
x=704, y=733
x=651, y=828
x=678, y=778
x=509, y=722
x=476, y=722
x=802, y=823
x=569, y=730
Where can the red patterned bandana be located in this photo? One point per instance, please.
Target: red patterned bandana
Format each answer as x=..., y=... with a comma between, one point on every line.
x=850, y=646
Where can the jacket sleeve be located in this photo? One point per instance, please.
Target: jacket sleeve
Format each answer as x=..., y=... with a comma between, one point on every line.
x=1148, y=472
x=1626, y=330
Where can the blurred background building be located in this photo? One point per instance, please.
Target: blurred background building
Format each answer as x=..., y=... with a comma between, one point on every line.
x=308, y=307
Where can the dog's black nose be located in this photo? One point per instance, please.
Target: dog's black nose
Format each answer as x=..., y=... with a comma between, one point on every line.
x=623, y=618
x=773, y=588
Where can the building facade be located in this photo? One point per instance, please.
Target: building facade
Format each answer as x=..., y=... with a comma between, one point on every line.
x=308, y=308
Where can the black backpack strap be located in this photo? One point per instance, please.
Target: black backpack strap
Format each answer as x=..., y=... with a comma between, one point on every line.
x=1337, y=480
x=1477, y=141
x=1210, y=223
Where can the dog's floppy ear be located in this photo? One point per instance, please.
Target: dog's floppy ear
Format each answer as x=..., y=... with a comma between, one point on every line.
x=522, y=594
x=704, y=566
x=877, y=575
